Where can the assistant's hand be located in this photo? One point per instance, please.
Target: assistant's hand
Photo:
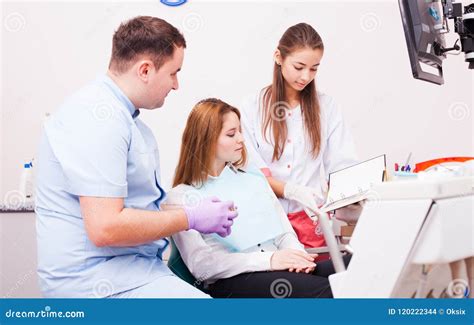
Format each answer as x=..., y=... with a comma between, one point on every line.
x=306, y=196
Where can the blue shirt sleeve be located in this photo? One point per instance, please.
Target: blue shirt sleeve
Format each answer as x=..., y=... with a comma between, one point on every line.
x=90, y=142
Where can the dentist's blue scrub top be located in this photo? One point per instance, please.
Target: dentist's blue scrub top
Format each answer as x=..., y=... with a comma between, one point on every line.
x=95, y=145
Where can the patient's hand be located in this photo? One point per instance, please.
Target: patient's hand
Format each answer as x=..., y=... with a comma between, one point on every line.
x=305, y=270
x=286, y=259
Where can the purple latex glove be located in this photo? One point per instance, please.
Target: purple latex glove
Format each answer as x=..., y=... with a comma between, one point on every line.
x=212, y=216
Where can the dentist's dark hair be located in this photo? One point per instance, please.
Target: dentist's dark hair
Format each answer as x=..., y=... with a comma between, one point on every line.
x=296, y=37
x=144, y=36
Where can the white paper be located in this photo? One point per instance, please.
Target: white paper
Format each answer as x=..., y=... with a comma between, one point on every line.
x=352, y=184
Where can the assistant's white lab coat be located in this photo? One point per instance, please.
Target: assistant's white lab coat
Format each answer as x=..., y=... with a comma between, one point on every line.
x=297, y=164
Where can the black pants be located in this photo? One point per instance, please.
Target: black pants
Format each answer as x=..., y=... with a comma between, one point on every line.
x=278, y=284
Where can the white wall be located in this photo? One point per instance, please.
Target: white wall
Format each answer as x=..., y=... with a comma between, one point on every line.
x=50, y=49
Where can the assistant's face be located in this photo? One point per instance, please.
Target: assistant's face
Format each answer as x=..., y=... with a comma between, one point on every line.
x=299, y=67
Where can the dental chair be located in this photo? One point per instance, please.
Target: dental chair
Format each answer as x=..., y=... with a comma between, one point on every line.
x=177, y=266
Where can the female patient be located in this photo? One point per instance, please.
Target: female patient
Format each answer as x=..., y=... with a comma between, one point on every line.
x=213, y=146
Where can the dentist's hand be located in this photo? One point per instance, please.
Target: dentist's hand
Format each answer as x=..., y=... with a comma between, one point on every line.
x=212, y=216
x=287, y=259
x=304, y=195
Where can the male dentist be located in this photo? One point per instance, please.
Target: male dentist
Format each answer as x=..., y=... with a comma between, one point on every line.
x=100, y=231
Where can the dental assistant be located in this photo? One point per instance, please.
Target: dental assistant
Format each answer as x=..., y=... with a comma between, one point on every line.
x=295, y=134
x=100, y=231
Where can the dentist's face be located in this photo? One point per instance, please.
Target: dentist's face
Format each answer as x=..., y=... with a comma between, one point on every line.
x=230, y=142
x=299, y=67
x=160, y=82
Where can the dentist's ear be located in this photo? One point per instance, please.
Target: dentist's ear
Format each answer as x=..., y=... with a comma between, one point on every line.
x=277, y=57
x=143, y=69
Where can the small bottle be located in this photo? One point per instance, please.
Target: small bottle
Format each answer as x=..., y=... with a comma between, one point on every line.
x=26, y=181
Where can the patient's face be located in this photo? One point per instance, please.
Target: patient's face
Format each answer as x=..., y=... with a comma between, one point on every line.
x=230, y=142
